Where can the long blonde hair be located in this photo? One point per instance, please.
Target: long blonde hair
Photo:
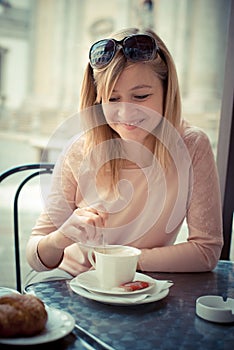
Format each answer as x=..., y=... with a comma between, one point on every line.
x=99, y=83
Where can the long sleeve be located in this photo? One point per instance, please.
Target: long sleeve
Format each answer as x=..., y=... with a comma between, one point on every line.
x=59, y=204
x=202, y=250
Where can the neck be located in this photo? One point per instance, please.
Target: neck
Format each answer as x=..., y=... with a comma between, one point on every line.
x=138, y=154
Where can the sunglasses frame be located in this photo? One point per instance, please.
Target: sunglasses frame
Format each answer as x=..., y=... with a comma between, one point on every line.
x=117, y=45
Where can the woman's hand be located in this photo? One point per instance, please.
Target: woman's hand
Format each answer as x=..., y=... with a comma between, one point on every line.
x=85, y=224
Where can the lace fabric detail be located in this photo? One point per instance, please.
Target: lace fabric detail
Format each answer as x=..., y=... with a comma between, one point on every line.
x=204, y=211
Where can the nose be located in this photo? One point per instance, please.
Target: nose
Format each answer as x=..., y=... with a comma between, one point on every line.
x=127, y=112
x=122, y=109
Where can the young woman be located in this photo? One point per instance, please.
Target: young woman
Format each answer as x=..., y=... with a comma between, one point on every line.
x=136, y=173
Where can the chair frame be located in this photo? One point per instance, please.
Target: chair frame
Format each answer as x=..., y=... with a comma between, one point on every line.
x=43, y=168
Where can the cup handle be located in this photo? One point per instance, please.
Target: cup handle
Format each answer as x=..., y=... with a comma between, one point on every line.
x=91, y=259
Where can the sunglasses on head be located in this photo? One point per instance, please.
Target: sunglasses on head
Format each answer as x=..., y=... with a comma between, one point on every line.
x=138, y=47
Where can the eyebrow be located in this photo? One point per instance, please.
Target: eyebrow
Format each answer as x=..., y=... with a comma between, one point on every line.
x=141, y=87
x=138, y=87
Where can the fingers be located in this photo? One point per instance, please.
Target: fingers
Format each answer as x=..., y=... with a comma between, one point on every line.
x=93, y=216
x=87, y=224
x=91, y=220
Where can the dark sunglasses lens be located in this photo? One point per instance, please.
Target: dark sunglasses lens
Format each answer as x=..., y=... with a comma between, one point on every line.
x=101, y=53
x=140, y=48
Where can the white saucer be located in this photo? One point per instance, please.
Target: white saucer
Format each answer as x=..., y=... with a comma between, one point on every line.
x=158, y=291
x=59, y=324
x=122, y=300
x=89, y=281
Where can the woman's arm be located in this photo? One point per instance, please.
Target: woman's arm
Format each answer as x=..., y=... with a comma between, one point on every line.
x=62, y=223
x=202, y=250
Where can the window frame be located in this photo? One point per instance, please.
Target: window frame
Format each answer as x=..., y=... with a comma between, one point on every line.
x=225, y=151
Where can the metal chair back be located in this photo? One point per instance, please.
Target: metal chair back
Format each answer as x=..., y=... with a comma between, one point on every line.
x=41, y=168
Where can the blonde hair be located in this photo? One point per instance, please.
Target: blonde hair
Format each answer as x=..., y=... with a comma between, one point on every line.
x=98, y=85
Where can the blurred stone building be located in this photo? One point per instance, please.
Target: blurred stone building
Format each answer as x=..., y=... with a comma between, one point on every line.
x=44, y=49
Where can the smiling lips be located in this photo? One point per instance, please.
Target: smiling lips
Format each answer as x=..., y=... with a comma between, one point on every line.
x=132, y=125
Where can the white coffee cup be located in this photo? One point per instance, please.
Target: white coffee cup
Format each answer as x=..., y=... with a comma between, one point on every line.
x=114, y=264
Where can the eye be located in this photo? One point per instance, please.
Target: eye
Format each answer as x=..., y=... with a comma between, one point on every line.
x=113, y=99
x=141, y=97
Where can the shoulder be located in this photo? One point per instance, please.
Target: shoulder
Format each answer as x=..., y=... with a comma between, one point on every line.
x=191, y=133
x=72, y=156
x=195, y=139
x=74, y=149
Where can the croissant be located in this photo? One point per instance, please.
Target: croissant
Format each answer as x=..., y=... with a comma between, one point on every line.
x=21, y=315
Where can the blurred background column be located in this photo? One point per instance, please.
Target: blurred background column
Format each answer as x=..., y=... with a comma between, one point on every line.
x=146, y=13
x=55, y=62
x=205, y=51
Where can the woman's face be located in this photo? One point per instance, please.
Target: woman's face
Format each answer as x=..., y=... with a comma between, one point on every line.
x=136, y=104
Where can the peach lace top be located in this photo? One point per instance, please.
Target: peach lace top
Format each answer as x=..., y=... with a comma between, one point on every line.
x=150, y=213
